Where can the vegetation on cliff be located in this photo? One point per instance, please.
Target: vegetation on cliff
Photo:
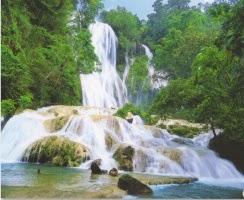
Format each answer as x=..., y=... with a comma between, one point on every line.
x=45, y=46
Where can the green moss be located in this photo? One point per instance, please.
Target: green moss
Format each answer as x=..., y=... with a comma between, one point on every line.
x=124, y=156
x=184, y=131
x=58, y=151
x=162, y=126
x=75, y=112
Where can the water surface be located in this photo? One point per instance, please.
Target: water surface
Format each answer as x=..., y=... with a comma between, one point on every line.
x=22, y=180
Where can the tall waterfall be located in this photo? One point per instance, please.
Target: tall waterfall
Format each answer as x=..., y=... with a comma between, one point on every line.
x=156, y=151
x=104, y=88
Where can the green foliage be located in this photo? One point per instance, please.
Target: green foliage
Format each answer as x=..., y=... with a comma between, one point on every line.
x=178, y=99
x=129, y=107
x=127, y=28
x=188, y=32
x=184, y=131
x=7, y=108
x=25, y=101
x=123, y=22
x=45, y=46
x=88, y=10
x=138, y=74
x=213, y=90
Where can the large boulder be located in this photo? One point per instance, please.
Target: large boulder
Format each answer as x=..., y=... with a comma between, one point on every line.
x=229, y=149
x=124, y=157
x=59, y=151
x=133, y=186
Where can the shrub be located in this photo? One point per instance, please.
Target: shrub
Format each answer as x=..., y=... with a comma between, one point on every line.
x=7, y=108
x=129, y=107
x=184, y=131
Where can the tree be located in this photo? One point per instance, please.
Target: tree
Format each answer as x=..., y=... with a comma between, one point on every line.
x=41, y=56
x=188, y=32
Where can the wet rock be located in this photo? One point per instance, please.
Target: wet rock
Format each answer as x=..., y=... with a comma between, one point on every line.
x=114, y=125
x=113, y=172
x=184, y=141
x=56, y=124
x=95, y=169
x=59, y=151
x=173, y=154
x=130, y=120
x=110, y=140
x=124, y=157
x=133, y=186
x=140, y=161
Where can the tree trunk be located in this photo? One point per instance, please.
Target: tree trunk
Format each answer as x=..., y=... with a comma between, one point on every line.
x=212, y=127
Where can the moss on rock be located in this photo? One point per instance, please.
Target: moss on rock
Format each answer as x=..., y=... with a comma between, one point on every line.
x=124, y=155
x=56, y=124
x=133, y=186
x=58, y=151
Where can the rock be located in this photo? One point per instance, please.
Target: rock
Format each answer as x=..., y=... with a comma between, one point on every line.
x=96, y=169
x=151, y=179
x=140, y=161
x=59, y=151
x=124, y=157
x=113, y=172
x=129, y=117
x=173, y=154
x=53, y=125
x=184, y=141
x=130, y=120
x=133, y=186
x=114, y=125
x=110, y=140
x=229, y=149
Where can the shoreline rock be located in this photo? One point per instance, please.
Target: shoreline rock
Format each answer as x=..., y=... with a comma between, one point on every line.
x=133, y=186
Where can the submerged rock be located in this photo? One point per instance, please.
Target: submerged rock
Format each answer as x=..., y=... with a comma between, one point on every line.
x=124, y=157
x=133, y=186
x=58, y=151
x=184, y=141
x=113, y=172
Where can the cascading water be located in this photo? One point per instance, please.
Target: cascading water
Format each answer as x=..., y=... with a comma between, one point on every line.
x=156, y=151
x=155, y=80
x=157, y=77
x=104, y=88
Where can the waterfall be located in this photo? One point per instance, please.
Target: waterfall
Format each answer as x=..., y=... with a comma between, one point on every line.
x=104, y=88
x=156, y=151
x=158, y=79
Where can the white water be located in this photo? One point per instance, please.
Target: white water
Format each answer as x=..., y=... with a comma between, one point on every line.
x=155, y=149
x=157, y=78
x=104, y=88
